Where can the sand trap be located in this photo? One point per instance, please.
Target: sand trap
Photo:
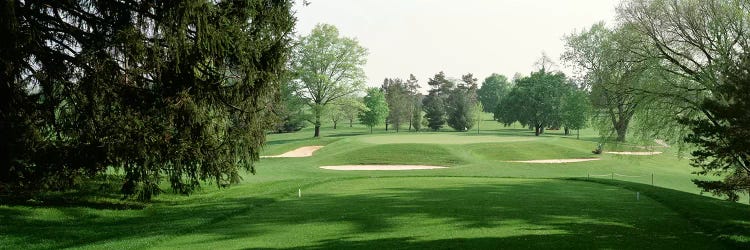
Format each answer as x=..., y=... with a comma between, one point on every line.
x=300, y=152
x=558, y=160
x=634, y=153
x=380, y=167
x=661, y=143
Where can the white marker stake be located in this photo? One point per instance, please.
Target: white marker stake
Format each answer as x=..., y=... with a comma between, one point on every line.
x=299, y=193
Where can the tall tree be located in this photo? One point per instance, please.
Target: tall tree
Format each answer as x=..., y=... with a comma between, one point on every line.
x=461, y=102
x=613, y=72
x=415, y=99
x=707, y=45
x=493, y=89
x=576, y=109
x=399, y=99
x=328, y=67
x=434, y=103
x=161, y=91
x=376, y=108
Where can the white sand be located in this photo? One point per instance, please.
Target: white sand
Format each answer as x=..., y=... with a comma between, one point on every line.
x=300, y=152
x=634, y=153
x=380, y=167
x=558, y=160
x=661, y=142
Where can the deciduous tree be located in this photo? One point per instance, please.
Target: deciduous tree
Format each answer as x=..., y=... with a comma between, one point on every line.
x=707, y=45
x=377, y=108
x=328, y=67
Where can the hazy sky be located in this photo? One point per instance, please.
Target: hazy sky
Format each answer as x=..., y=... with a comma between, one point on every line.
x=481, y=37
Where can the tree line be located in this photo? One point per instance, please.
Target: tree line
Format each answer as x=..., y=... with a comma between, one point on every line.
x=184, y=93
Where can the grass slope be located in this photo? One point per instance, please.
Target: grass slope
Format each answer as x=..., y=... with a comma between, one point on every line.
x=466, y=205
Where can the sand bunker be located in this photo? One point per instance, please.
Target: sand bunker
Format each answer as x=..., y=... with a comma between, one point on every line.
x=300, y=152
x=380, y=167
x=558, y=160
x=634, y=153
x=661, y=143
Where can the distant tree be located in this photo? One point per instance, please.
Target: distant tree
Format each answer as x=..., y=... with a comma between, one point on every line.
x=576, y=110
x=399, y=99
x=417, y=114
x=460, y=103
x=434, y=103
x=335, y=113
x=351, y=107
x=377, y=108
x=506, y=110
x=493, y=89
x=477, y=113
x=292, y=111
x=537, y=99
x=415, y=99
x=328, y=67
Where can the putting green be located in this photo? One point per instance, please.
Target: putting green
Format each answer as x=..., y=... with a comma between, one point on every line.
x=429, y=138
x=439, y=212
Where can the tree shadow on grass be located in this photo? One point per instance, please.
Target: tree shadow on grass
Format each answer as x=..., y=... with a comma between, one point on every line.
x=537, y=215
x=476, y=213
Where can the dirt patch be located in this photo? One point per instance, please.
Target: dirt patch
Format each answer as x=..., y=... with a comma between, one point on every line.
x=634, y=153
x=300, y=152
x=380, y=167
x=558, y=160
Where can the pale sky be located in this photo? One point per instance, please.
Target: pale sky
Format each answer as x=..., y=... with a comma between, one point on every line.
x=481, y=37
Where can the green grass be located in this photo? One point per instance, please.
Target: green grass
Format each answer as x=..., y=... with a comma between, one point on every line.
x=480, y=201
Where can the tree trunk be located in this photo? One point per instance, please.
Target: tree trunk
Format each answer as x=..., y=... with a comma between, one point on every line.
x=386, y=126
x=334, y=125
x=536, y=131
x=351, y=121
x=622, y=130
x=317, y=125
x=578, y=136
x=567, y=131
x=370, y=129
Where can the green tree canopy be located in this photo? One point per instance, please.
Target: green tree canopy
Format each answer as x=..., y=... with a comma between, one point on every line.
x=460, y=104
x=536, y=100
x=613, y=71
x=493, y=89
x=400, y=97
x=706, y=44
x=576, y=110
x=160, y=91
x=376, y=108
x=328, y=67
x=434, y=103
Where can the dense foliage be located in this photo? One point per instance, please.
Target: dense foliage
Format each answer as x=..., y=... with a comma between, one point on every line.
x=460, y=104
x=706, y=45
x=493, y=89
x=536, y=101
x=376, y=108
x=158, y=90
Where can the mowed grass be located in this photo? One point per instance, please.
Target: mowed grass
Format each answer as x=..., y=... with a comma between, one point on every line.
x=449, y=213
x=480, y=201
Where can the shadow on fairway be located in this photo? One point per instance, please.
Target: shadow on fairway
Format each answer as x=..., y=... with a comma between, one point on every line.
x=539, y=215
x=522, y=214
